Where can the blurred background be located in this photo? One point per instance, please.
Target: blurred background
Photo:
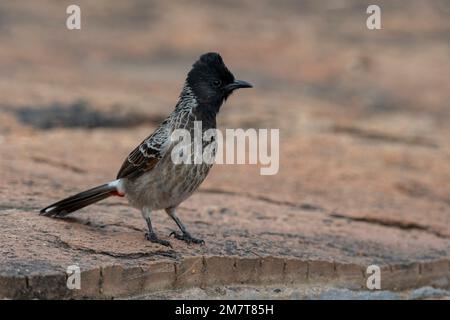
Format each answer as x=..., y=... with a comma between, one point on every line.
x=363, y=114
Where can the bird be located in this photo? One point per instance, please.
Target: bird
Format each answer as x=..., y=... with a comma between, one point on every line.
x=149, y=178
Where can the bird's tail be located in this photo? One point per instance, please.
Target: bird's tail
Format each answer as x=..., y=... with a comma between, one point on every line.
x=83, y=199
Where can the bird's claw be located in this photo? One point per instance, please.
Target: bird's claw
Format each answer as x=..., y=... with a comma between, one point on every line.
x=153, y=238
x=185, y=236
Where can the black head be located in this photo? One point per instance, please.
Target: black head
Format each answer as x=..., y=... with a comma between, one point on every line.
x=211, y=81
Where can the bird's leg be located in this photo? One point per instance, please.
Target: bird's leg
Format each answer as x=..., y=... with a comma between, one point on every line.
x=184, y=235
x=151, y=235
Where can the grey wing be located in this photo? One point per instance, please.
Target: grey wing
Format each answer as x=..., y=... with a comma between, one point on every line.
x=145, y=157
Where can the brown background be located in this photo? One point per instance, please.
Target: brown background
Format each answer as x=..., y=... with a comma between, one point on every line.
x=363, y=115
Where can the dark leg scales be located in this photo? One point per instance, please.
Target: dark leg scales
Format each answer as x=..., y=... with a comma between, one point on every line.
x=186, y=236
x=153, y=238
x=151, y=235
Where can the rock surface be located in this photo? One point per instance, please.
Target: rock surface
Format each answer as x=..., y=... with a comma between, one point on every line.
x=364, y=146
x=299, y=292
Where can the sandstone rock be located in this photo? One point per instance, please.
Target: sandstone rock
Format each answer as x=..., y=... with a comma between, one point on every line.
x=364, y=157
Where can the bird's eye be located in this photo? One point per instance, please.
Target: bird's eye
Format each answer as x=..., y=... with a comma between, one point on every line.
x=217, y=83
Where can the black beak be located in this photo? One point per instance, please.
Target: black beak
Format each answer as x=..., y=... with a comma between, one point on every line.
x=237, y=84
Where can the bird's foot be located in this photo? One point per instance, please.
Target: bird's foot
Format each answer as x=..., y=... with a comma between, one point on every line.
x=153, y=238
x=186, y=236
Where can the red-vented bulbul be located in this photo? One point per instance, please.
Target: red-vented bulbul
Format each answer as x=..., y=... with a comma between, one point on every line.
x=148, y=178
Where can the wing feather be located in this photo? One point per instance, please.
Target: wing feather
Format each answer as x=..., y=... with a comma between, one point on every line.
x=145, y=156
